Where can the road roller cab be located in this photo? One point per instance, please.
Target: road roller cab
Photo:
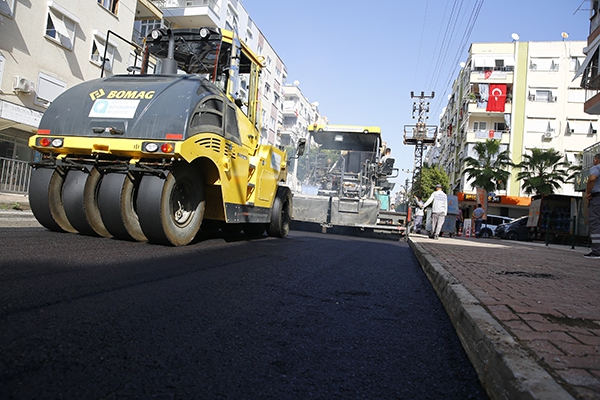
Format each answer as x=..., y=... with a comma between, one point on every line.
x=155, y=157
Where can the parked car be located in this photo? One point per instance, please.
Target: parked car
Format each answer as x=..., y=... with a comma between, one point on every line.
x=489, y=225
x=514, y=230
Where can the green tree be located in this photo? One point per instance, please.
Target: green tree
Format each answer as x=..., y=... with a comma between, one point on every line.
x=542, y=171
x=490, y=169
x=431, y=176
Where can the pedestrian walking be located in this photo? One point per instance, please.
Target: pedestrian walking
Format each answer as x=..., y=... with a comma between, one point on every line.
x=418, y=215
x=439, y=210
x=592, y=194
x=478, y=214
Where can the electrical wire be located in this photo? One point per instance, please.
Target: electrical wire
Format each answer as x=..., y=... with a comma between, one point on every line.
x=421, y=41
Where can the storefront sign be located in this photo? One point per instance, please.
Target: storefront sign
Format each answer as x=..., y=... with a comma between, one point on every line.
x=20, y=114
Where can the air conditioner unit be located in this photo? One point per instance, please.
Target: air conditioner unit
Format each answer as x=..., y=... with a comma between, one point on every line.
x=23, y=85
x=548, y=135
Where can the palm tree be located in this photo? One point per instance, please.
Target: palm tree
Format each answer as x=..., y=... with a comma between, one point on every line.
x=490, y=169
x=542, y=171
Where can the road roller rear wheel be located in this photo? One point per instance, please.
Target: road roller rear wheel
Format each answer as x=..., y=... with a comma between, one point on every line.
x=171, y=209
x=81, y=201
x=45, y=199
x=116, y=200
x=281, y=213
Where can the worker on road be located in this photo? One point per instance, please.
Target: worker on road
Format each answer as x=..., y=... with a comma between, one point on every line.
x=439, y=210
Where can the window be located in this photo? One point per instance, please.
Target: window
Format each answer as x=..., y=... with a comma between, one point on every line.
x=60, y=25
x=7, y=7
x=48, y=88
x=575, y=63
x=142, y=29
x=110, y=5
x=576, y=95
x=479, y=126
x=499, y=126
x=543, y=95
x=544, y=64
x=97, y=55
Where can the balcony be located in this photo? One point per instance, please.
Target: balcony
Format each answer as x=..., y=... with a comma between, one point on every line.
x=492, y=75
x=191, y=13
x=480, y=108
x=145, y=9
x=481, y=135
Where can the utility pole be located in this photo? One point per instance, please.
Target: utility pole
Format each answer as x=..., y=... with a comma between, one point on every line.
x=419, y=135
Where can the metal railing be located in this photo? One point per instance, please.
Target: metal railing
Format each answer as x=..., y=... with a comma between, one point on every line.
x=14, y=176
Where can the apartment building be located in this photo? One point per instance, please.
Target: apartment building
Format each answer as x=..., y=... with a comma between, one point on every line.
x=47, y=47
x=231, y=15
x=523, y=94
x=298, y=113
x=590, y=76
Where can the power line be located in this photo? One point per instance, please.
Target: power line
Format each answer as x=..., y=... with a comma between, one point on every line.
x=421, y=41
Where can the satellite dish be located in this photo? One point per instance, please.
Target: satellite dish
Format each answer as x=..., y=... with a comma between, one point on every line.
x=296, y=83
x=515, y=36
x=564, y=35
x=462, y=64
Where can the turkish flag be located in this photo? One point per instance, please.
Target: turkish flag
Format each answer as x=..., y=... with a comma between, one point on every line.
x=487, y=73
x=497, y=98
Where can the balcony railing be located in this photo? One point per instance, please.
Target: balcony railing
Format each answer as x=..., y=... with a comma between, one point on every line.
x=14, y=176
x=212, y=4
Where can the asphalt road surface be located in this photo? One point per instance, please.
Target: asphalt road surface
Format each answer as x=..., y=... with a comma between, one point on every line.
x=309, y=316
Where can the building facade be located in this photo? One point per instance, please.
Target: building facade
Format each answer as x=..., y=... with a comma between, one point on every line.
x=298, y=113
x=47, y=47
x=523, y=94
x=590, y=76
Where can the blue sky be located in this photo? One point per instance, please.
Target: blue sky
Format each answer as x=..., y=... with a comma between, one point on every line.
x=361, y=59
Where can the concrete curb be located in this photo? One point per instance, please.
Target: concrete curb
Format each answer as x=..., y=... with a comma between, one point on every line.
x=505, y=368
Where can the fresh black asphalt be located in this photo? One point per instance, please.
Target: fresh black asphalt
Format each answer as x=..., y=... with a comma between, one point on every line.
x=309, y=316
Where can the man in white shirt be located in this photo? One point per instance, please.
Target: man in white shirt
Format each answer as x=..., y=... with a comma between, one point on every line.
x=439, y=210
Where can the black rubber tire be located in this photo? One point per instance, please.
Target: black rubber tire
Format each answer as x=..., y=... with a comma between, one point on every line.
x=90, y=199
x=254, y=229
x=45, y=199
x=512, y=236
x=485, y=233
x=116, y=200
x=81, y=202
x=171, y=210
x=281, y=213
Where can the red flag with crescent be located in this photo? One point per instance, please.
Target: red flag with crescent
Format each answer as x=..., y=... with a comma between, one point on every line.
x=497, y=98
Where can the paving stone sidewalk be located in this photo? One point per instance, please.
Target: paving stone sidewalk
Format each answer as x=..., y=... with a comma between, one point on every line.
x=528, y=314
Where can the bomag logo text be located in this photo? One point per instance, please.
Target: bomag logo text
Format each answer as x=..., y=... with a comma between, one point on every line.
x=130, y=94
